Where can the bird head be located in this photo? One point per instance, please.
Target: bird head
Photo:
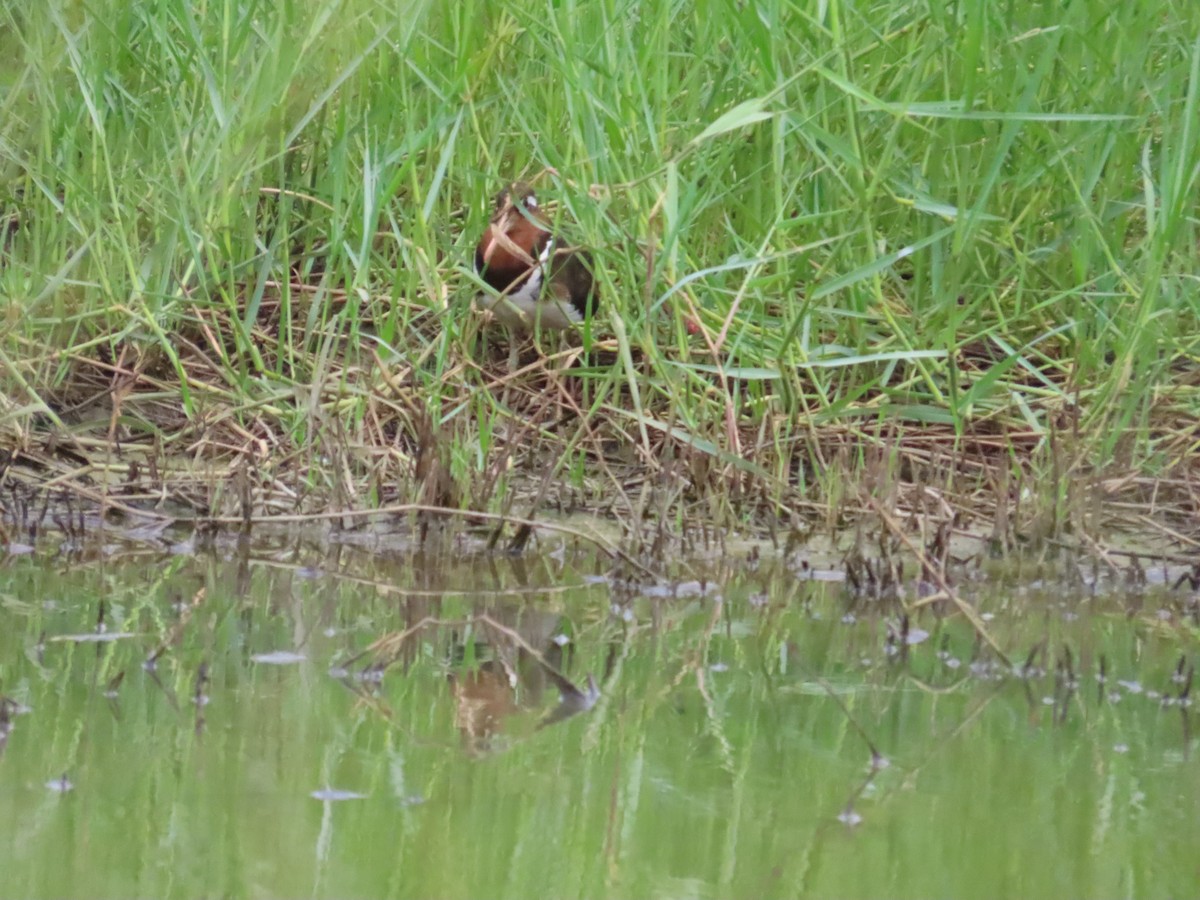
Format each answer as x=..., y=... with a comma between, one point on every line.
x=516, y=202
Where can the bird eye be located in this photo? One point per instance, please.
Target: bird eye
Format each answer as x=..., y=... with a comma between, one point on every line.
x=531, y=202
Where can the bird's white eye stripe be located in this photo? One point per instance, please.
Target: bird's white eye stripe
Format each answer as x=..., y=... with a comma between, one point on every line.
x=531, y=202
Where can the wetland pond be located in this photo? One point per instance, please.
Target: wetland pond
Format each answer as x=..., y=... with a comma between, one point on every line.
x=323, y=720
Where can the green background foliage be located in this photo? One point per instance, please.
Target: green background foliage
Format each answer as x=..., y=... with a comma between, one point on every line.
x=964, y=215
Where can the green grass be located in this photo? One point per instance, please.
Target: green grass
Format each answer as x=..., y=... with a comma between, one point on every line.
x=251, y=223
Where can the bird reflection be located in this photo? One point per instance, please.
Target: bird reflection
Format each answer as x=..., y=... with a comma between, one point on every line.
x=520, y=654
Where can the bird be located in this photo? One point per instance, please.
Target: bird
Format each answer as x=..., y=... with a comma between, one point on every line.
x=537, y=283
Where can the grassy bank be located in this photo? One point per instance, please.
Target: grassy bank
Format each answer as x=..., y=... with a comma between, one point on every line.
x=952, y=245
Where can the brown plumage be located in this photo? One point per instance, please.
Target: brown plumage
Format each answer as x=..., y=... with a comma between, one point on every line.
x=539, y=284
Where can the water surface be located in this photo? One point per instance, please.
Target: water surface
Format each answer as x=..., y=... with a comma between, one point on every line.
x=753, y=730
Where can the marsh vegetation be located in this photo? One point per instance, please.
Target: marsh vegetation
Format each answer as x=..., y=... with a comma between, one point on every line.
x=848, y=550
x=842, y=251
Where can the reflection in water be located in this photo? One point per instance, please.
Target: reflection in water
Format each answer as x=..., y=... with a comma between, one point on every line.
x=8, y=709
x=519, y=653
x=741, y=729
x=483, y=699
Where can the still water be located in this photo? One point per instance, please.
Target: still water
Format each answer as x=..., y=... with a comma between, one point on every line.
x=218, y=724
